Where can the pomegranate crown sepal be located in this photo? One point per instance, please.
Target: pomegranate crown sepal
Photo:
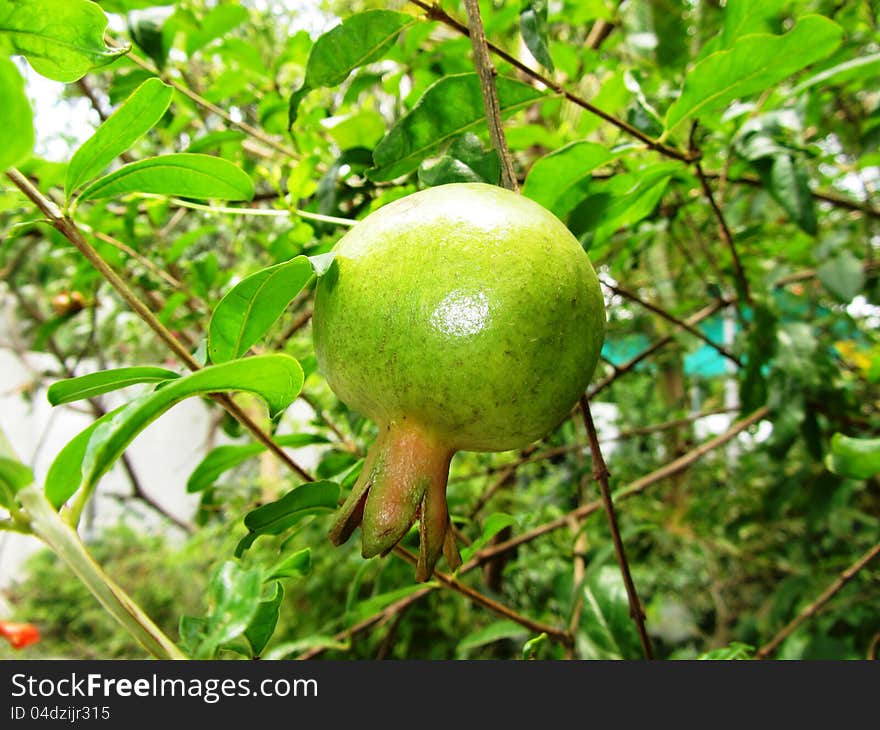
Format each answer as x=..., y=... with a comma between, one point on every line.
x=403, y=479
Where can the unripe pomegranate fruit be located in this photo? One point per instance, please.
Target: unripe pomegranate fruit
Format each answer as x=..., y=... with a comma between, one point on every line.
x=462, y=317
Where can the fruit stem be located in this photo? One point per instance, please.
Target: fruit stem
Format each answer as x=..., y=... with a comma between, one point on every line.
x=404, y=478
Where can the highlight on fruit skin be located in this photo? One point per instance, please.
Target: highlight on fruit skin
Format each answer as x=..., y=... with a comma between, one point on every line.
x=463, y=317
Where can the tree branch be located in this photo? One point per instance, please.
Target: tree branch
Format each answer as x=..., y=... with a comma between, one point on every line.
x=671, y=318
x=639, y=485
x=486, y=72
x=845, y=577
x=600, y=475
x=742, y=283
x=435, y=12
x=69, y=230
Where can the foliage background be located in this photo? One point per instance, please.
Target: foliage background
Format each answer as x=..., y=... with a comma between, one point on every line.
x=724, y=552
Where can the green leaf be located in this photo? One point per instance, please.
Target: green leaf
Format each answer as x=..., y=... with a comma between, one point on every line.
x=495, y=631
x=736, y=651
x=277, y=379
x=183, y=173
x=857, y=458
x=558, y=180
x=105, y=381
x=150, y=30
x=263, y=624
x=361, y=39
x=531, y=646
x=754, y=63
x=621, y=201
x=218, y=22
x=16, y=117
x=856, y=69
x=317, y=641
x=449, y=107
x=465, y=161
x=65, y=473
x=296, y=565
x=61, y=39
x=373, y=605
x=252, y=306
x=788, y=185
x=224, y=458
x=334, y=462
x=234, y=595
x=13, y=476
x=533, y=27
x=274, y=518
x=843, y=275
x=745, y=17
x=134, y=118
x=494, y=524
x=213, y=140
x=607, y=630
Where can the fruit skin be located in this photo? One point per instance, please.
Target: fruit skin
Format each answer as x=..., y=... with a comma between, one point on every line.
x=465, y=307
x=461, y=317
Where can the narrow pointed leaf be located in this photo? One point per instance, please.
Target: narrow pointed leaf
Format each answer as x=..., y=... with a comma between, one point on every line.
x=557, y=181
x=752, y=64
x=856, y=69
x=224, y=458
x=449, y=107
x=276, y=517
x=858, y=458
x=252, y=306
x=361, y=39
x=13, y=476
x=65, y=473
x=263, y=624
x=61, y=39
x=533, y=27
x=134, y=118
x=16, y=117
x=185, y=174
x=277, y=379
x=88, y=386
x=296, y=565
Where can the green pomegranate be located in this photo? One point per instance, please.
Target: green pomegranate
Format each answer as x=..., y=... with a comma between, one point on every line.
x=462, y=317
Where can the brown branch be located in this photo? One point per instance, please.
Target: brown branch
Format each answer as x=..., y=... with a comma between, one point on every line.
x=695, y=318
x=377, y=618
x=639, y=485
x=838, y=201
x=486, y=72
x=69, y=230
x=98, y=411
x=435, y=12
x=559, y=635
x=696, y=332
x=742, y=283
x=845, y=577
x=600, y=475
x=222, y=113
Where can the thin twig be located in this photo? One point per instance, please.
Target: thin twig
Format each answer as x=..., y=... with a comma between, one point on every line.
x=213, y=108
x=600, y=475
x=559, y=635
x=620, y=370
x=435, y=12
x=486, y=72
x=69, y=230
x=742, y=282
x=639, y=485
x=377, y=618
x=696, y=332
x=845, y=577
